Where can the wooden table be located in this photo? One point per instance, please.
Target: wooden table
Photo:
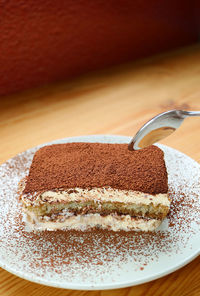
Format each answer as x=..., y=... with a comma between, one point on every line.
x=117, y=101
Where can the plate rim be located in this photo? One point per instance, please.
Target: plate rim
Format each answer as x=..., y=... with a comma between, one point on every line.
x=110, y=286
x=105, y=286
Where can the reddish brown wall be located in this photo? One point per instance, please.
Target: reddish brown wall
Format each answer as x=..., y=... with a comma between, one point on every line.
x=47, y=40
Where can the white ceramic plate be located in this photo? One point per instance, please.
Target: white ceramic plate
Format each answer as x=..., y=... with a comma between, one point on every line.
x=101, y=260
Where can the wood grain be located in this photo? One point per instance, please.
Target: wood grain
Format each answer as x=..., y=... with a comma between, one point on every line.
x=116, y=101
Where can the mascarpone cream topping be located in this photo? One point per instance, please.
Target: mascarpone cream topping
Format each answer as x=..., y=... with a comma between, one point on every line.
x=97, y=194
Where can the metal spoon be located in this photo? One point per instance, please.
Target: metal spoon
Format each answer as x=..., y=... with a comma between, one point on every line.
x=159, y=127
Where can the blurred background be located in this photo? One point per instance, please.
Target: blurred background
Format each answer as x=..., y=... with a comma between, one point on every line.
x=54, y=40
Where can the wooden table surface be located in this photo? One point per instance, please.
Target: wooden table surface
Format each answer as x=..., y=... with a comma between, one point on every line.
x=118, y=102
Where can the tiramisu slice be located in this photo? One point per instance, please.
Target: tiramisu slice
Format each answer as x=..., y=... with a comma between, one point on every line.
x=86, y=185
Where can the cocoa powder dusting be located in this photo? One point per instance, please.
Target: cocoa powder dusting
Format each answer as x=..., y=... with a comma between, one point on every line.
x=97, y=256
x=88, y=165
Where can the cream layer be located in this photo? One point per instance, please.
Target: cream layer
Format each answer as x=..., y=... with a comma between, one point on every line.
x=84, y=222
x=97, y=194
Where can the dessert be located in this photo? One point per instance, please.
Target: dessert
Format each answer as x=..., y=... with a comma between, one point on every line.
x=86, y=185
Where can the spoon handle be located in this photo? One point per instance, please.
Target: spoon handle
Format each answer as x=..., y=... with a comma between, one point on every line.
x=190, y=113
